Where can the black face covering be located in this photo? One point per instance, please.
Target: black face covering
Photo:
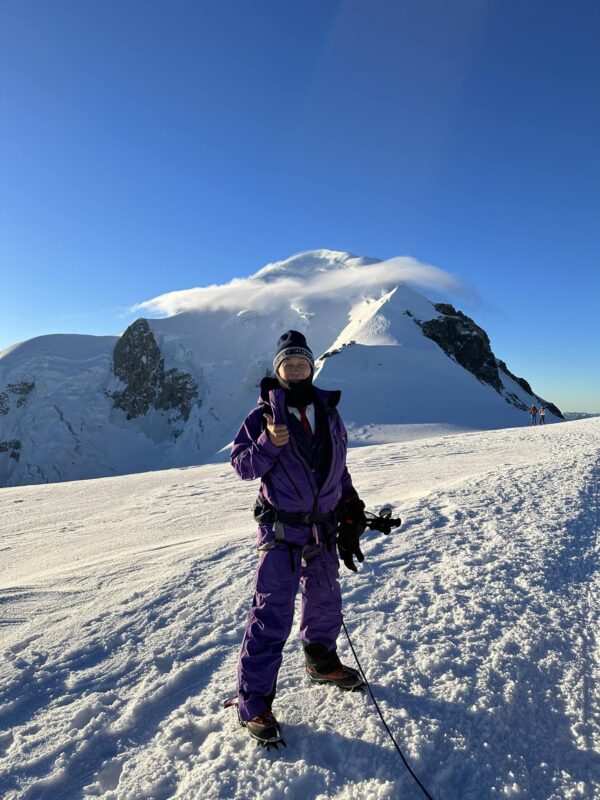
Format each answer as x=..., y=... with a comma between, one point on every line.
x=298, y=393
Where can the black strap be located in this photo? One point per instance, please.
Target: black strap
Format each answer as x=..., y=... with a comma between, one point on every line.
x=265, y=512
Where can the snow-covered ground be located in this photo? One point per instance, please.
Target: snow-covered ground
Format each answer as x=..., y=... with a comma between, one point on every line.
x=123, y=601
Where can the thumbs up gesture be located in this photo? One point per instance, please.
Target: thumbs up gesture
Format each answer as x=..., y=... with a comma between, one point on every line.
x=278, y=434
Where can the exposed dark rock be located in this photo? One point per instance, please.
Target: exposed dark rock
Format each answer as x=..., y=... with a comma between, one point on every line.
x=21, y=390
x=464, y=341
x=177, y=390
x=12, y=447
x=521, y=381
x=552, y=408
x=468, y=344
x=512, y=398
x=336, y=350
x=449, y=310
x=138, y=363
x=525, y=385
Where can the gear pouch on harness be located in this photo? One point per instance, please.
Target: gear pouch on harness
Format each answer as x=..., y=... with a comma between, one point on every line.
x=265, y=515
x=310, y=551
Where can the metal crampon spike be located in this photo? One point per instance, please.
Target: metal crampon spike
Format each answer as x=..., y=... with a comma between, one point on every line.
x=274, y=745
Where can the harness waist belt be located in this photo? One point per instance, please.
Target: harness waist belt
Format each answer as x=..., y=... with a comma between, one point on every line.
x=265, y=512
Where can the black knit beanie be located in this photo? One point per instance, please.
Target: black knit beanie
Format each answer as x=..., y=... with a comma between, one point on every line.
x=290, y=344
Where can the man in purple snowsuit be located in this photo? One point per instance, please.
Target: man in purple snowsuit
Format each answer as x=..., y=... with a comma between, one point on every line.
x=295, y=442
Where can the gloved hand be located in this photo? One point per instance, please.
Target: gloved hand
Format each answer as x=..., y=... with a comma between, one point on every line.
x=351, y=526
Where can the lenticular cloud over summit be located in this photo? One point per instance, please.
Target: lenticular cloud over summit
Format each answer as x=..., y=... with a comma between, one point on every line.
x=284, y=282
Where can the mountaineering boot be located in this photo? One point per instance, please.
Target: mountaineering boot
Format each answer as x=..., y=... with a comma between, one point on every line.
x=344, y=677
x=264, y=728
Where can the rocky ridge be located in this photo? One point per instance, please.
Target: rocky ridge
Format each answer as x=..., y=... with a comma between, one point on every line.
x=469, y=345
x=138, y=363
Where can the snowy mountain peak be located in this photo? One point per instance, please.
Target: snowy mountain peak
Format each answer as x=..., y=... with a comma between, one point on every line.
x=172, y=391
x=303, y=265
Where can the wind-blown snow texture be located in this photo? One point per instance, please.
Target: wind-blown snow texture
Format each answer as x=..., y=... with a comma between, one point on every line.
x=62, y=410
x=123, y=602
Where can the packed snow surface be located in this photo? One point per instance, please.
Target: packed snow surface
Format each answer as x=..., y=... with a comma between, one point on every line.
x=123, y=602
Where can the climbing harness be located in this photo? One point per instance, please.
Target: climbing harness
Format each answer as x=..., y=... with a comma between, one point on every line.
x=265, y=512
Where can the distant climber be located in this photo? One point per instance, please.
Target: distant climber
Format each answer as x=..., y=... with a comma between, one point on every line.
x=542, y=415
x=533, y=412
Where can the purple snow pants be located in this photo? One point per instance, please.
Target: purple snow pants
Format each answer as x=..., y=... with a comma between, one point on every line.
x=271, y=615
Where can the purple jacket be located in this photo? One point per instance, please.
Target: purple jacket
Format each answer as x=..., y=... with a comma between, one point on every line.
x=287, y=481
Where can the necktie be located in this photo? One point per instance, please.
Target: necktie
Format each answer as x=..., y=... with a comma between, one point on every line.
x=304, y=420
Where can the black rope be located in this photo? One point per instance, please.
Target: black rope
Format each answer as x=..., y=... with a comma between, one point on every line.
x=406, y=764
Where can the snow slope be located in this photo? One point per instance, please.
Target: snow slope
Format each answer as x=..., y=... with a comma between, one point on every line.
x=123, y=602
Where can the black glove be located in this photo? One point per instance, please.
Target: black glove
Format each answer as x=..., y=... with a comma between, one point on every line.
x=351, y=525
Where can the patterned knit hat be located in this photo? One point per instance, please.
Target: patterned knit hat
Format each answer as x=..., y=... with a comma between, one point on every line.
x=290, y=344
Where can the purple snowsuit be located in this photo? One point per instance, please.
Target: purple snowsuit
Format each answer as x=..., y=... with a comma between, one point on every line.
x=289, y=484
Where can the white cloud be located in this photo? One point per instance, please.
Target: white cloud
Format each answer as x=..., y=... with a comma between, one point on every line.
x=260, y=295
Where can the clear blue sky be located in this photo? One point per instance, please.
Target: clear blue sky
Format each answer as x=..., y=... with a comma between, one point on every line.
x=152, y=146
